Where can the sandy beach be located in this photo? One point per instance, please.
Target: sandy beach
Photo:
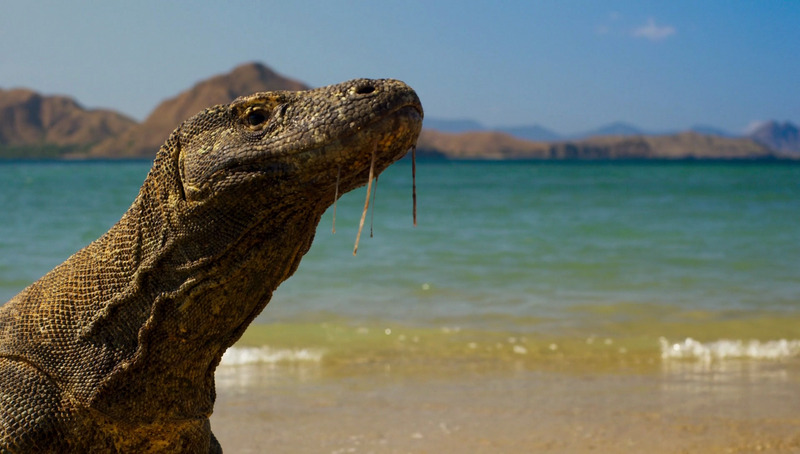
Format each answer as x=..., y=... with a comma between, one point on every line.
x=675, y=408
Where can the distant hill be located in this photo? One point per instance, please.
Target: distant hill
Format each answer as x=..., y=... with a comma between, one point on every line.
x=145, y=138
x=613, y=141
x=540, y=133
x=781, y=137
x=498, y=145
x=38, y=126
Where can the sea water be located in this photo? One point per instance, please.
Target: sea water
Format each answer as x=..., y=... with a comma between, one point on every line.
x=518, y=260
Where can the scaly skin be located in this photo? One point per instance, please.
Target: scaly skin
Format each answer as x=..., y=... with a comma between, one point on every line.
x=115, y=349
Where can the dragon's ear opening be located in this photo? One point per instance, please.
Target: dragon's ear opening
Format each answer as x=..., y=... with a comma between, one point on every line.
x=176, y=161
x=167, y=168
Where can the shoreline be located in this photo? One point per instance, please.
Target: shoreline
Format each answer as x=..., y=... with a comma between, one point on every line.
x=745, y=406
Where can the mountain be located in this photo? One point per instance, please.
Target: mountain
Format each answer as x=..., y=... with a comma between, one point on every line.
x=37, y=126
x=145, y=139
x=477, y=145
x=33, y=125
x=781, y=137
x=530, y=132
x=498, y=145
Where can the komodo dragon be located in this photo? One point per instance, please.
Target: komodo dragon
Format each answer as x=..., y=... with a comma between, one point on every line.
x=115, y=349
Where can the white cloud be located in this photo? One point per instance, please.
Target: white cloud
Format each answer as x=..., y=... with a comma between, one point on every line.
x=653, y=32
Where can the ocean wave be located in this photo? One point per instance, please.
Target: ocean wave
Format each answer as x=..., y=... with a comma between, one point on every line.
x=729, y=349
x=237, y=356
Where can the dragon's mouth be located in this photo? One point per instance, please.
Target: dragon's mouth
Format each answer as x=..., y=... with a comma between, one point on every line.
x=413, y=110
x=406, y=120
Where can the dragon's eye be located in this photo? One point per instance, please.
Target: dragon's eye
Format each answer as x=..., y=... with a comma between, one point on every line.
x=256, y=117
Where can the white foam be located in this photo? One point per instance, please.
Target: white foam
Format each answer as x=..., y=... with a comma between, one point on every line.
x=236, y=356
x=729, y=349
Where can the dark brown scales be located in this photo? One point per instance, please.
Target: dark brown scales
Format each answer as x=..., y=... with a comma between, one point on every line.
x=115, y=349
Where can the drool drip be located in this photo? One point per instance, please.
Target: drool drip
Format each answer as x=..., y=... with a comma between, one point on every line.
x=366, y=202
x=372, y=212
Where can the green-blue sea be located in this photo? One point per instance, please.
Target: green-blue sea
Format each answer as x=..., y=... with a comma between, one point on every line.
x=600, y=265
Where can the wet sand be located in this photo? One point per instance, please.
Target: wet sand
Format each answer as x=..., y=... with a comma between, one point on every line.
x=675, y=408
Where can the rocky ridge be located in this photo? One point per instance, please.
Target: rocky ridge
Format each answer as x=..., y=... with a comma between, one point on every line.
x=498, y=146
x=37, y=126
x=32, y=125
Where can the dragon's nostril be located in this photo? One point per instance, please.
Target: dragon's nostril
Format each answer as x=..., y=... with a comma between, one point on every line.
x=365, y=89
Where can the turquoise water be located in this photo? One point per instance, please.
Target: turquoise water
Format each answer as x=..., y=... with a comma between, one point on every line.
x=503, y=241
x=548, y=248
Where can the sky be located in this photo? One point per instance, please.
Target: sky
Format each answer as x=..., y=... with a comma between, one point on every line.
x=567, y=65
